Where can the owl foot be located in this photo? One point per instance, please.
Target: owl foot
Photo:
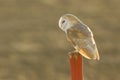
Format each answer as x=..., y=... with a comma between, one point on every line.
x=73, y=54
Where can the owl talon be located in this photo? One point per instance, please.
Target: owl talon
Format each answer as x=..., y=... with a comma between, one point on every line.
x=73, y=54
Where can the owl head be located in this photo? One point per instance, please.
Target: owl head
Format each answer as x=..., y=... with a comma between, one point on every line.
x=67, y=21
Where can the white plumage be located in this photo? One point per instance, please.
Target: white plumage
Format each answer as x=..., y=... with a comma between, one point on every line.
x=79, y=35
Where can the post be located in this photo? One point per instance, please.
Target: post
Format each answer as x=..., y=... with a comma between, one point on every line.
x=76, y=67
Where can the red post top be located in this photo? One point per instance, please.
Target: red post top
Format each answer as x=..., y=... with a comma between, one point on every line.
x=76, y=67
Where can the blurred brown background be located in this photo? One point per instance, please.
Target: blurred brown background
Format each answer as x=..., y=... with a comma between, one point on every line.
x=32, y=47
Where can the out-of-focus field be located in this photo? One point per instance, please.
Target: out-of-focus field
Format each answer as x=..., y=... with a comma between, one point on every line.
x=32, y=47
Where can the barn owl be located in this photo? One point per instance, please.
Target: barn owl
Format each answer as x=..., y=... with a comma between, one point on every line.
x=79, y=35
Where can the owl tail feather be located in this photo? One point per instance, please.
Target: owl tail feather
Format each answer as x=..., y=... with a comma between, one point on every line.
x=89, y=55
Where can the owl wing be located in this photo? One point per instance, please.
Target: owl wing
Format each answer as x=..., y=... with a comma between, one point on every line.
x=82, y=40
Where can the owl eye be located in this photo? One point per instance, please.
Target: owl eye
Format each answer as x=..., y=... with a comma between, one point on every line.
x=63, y=21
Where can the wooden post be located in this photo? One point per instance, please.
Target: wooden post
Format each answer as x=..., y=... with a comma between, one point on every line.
x=76, y=66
